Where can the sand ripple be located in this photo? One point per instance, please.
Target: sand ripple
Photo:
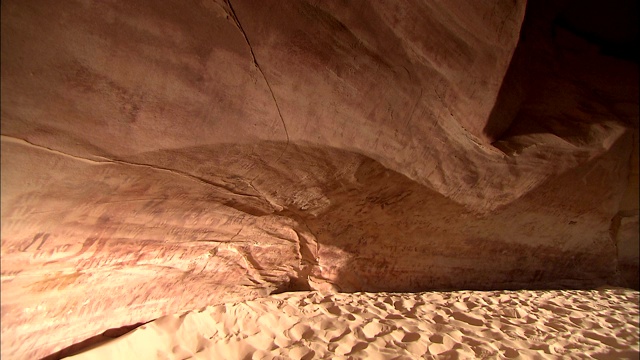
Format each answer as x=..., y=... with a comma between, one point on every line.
x=599, y=324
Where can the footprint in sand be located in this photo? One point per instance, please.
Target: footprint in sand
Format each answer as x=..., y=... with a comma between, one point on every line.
x=358, y=347
x=300, y=331
x=440, y=344
x=468, y=318
x=510, y=353
x=439, y=320
x=460, y=306
x=301, y=353
x=372, y=329
x=346, y=332
x=332, y=309
x=410, y=337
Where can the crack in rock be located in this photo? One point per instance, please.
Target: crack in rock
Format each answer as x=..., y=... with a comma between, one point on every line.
x=107, y=161
x=255, y=62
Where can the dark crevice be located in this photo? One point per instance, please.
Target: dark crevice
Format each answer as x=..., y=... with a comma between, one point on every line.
x=611, y=25
x=308, y=255
x=611, y=28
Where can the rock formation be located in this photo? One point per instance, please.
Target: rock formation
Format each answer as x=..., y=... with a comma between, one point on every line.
x=160, y=157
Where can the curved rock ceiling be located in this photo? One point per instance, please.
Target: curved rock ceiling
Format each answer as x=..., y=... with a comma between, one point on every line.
x=163, y=156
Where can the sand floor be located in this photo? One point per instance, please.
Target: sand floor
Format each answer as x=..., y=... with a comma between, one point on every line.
x=569, y=324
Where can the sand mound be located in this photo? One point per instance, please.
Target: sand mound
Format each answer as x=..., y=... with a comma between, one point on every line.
x=601, y=324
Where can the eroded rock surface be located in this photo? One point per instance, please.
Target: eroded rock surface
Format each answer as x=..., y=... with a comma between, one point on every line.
x=158, y=157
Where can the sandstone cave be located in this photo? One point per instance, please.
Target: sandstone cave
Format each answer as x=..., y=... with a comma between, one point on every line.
x=165, y=156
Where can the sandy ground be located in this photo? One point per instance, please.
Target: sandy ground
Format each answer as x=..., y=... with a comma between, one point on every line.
x=599, y=324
